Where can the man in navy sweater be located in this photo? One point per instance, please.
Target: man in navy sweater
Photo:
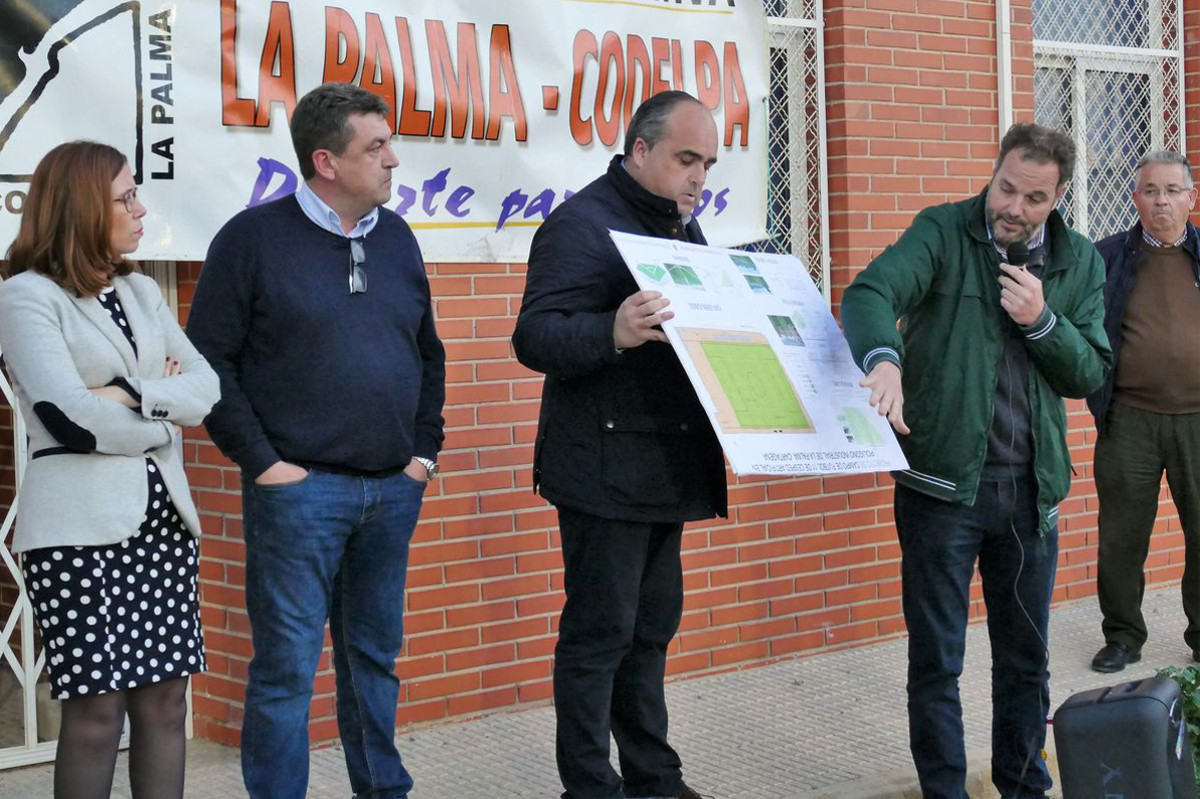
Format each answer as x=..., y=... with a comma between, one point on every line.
x=315, y=312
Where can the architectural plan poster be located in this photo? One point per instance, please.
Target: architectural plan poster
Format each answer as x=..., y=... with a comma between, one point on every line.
x=767, y=359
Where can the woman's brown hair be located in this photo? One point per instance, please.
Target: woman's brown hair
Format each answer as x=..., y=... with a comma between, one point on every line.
x=66, y=224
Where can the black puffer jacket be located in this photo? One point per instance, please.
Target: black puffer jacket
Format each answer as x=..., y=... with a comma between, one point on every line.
x=621, y=435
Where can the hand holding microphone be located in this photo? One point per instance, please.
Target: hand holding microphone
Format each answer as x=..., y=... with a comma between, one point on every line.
x=1017, y=254
x=1020, y=292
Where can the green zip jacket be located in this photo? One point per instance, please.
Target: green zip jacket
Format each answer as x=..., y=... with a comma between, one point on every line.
x=941, y=282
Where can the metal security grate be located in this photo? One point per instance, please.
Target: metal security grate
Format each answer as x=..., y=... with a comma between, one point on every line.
x=22, y=661
x=797, y=200
x=1110, y=73
x=1111, y=23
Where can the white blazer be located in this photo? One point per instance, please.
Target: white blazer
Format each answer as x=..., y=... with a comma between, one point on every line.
x=91, y=489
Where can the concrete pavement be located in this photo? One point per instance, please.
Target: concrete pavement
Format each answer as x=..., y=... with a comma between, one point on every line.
x=831, y=726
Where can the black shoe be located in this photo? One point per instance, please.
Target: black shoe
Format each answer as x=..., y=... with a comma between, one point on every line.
x=1114, y=657
x=687, y=793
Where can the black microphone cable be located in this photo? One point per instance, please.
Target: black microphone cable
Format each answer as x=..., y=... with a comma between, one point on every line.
x=1018, y=255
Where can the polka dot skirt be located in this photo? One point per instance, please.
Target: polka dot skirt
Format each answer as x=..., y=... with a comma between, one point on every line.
x=116, y=617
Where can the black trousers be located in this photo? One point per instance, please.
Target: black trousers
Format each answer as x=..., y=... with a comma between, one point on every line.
x=1132, y=452
x=624, y=586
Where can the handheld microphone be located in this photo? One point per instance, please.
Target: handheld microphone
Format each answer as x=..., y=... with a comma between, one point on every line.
x=1018, y=254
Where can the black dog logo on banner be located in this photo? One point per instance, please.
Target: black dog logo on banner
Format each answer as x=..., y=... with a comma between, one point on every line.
x=24, y=28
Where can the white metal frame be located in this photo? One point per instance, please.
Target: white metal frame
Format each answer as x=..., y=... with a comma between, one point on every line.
x=165, y=276
x=26, y=666
x=1080, y=59
x=1004, y=54
x=782, y=32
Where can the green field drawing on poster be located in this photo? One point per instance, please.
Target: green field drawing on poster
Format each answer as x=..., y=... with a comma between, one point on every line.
x=859, y=429
x=758, y=389
x=684, y=275
x=655, y=272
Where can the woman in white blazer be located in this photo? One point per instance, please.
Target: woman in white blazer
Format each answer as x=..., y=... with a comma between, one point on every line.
x=107, y=528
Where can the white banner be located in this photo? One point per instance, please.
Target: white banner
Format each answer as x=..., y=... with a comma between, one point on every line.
x=766, y=358
x=501, y=109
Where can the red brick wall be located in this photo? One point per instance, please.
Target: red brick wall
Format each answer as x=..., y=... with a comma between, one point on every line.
x=1191, y=61
x=8, y=478
x=913, y=121
x=802, y=565
x=8, y=481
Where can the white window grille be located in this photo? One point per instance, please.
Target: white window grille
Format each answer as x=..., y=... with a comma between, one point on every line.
x=26, y=711
x=1110, y=72
x=797, y=187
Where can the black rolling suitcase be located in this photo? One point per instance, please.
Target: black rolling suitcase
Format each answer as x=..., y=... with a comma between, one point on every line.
x=1128, y=741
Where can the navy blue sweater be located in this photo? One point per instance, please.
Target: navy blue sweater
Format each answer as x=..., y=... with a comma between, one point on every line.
x=310, y=373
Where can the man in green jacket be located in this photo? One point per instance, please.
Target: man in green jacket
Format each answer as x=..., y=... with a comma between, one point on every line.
x=1001, y=315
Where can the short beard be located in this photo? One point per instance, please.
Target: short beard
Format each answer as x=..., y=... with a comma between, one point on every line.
x=1024, y=235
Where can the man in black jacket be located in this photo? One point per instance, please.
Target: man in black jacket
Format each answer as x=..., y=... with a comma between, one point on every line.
x=1148, y=411
x=624, y=450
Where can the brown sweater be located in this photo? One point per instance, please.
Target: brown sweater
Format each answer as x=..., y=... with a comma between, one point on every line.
x=1159, y=366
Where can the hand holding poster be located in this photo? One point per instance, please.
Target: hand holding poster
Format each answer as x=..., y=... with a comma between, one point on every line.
x=766, y=358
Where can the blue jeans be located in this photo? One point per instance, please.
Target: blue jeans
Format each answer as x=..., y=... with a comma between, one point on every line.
x=332, y=546
x=940, y=544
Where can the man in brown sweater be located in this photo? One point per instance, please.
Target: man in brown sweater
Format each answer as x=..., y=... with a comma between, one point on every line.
x=1148, y=411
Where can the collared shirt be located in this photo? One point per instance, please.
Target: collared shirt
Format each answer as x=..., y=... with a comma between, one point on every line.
x=326, y=218
x=1154, y=241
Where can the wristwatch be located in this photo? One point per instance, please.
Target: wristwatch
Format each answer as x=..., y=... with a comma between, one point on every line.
x=430, y=465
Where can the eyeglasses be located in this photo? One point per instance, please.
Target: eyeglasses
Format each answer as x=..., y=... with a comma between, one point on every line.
x=358, y=275
x=1173, y=192
x=129, y=200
